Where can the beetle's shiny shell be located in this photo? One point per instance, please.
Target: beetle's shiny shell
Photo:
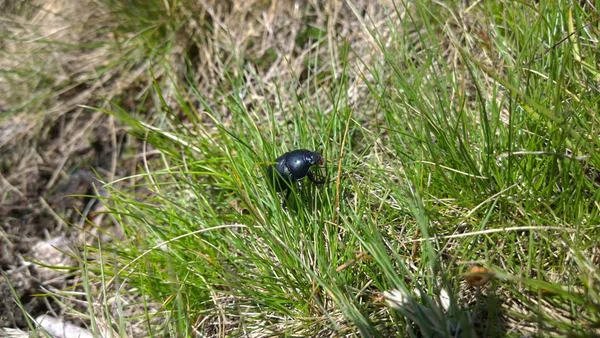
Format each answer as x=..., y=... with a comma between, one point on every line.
x=291, y=166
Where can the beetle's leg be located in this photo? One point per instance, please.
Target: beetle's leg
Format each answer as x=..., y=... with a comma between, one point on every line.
x=314, y=179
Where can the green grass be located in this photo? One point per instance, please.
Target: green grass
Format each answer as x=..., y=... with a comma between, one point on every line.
x=476, y=141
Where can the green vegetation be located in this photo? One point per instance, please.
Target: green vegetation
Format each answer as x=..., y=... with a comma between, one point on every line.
x=453, y=135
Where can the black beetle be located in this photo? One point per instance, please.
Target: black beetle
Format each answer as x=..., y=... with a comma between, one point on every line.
x=294, y=166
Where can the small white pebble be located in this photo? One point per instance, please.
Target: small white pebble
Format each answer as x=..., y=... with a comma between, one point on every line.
x=444, y=299
x=59, y=329
x=53, y=252
x=396, y=299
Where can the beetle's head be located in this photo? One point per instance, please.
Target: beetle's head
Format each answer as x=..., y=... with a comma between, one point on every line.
x=314, y=158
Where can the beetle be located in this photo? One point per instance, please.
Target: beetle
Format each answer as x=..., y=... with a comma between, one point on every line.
x=292, y=167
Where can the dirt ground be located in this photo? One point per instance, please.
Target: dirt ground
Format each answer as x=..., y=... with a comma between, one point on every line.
x=52, y=150
x=41, y=204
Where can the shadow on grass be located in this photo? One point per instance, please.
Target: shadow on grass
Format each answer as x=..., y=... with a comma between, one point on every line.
x=489, y=319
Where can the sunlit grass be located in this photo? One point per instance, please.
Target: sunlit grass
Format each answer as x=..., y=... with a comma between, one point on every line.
x=479, y=147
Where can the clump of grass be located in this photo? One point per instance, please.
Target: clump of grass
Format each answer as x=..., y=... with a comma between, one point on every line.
x=481, y=148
